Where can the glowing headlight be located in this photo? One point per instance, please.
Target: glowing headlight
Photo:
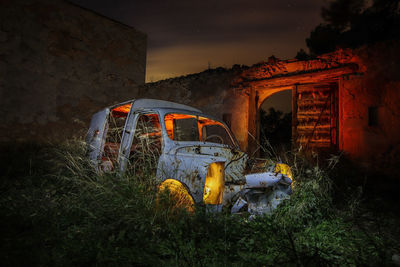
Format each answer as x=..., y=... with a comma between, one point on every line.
x=215, y=183
x=284, y=169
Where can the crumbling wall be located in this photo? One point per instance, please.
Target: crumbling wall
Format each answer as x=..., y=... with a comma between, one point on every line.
x=369, y=103
x=266, y=78
x=59, y=64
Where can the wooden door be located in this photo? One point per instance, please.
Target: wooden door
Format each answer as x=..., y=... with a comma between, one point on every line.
x=315, y=116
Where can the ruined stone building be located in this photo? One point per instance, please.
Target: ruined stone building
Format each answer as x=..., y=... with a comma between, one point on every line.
x=347, y=100
x=61, y=63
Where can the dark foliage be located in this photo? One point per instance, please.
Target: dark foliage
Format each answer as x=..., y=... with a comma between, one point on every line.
x=323, y=39
x=275, y=129
x=351, y=23
x=56, y=211
x=302, y=55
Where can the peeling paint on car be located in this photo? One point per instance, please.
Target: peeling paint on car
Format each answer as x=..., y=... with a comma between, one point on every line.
x=247, y=182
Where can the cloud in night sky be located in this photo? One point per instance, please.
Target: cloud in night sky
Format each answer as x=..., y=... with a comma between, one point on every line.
x=187, y=36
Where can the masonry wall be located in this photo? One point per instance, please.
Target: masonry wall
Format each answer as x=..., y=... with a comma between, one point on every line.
x=60, y=63
x=370, y=109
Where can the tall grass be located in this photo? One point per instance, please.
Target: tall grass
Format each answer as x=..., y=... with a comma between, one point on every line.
x=56, y=210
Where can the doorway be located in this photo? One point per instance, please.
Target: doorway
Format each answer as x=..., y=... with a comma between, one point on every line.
x=275, y=123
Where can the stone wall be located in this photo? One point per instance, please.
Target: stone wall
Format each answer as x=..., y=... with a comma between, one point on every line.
x=370, y=108
x=60, y=63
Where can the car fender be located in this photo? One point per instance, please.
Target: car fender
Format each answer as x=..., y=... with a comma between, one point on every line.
x=190, y=169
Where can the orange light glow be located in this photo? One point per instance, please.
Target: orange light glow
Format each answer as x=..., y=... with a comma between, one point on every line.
x=202, y=121
x=169, y=125
x=178, y=193
x=284, y=169
x=215, y=184
x=169, y=122
x=206, y=121
x=122, y=109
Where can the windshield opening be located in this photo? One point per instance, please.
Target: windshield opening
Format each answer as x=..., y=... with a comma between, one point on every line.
x=183, y=127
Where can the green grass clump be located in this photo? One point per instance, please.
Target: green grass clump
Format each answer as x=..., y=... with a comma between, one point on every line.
x=57, y=211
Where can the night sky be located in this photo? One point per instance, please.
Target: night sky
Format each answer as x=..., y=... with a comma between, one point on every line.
x=187, y=36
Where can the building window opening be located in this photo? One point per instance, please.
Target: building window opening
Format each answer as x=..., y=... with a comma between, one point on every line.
x=372, y=116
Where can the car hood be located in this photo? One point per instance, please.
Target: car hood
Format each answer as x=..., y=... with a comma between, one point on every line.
x=235, y=160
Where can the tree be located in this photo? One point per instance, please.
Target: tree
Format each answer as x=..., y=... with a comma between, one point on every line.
x=323, y=39
x=340, y=13
x=302, y=55
x=350, y=23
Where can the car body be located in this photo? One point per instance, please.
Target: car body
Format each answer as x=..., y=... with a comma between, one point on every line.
x=186, y=149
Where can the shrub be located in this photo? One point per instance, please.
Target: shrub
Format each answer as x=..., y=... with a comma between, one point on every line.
x=56, y=210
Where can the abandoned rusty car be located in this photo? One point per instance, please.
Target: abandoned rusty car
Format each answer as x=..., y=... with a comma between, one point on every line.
x=191, y=153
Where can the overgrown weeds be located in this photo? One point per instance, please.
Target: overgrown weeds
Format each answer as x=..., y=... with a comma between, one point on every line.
x=56, y=210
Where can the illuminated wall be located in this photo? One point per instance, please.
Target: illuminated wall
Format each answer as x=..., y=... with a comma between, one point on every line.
x=365, y=104
x=370, y=108
x=314, y=96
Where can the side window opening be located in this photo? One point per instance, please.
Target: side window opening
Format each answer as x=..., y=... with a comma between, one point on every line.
x=215, y=133
x=186, y=129
x=146, y=145
x=183, y=127
x=114, y=130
